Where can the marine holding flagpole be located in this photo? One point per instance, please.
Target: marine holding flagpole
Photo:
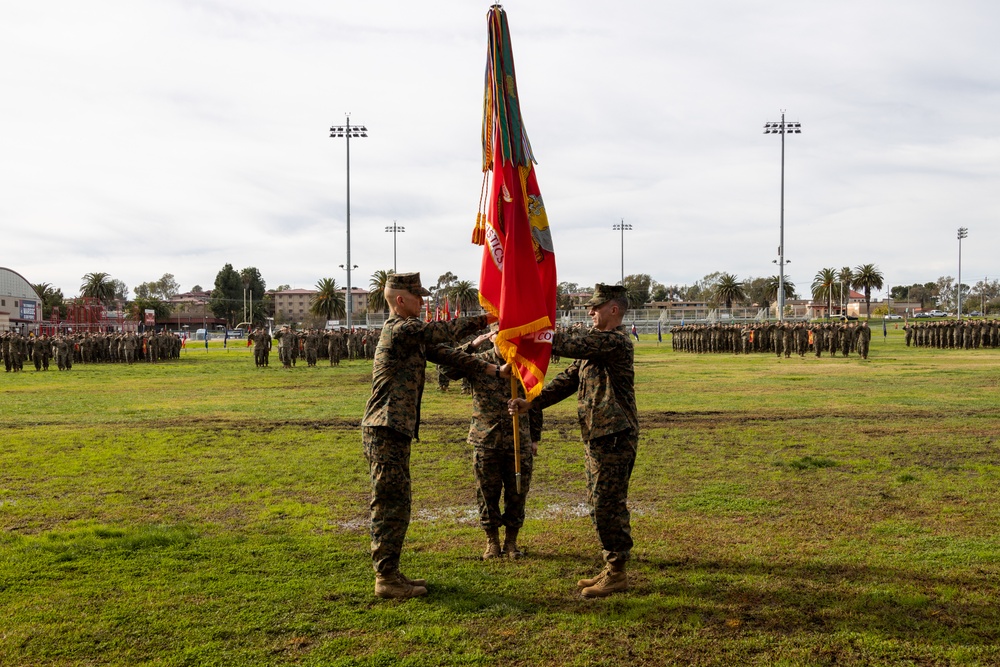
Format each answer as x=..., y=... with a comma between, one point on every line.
x=603, y=379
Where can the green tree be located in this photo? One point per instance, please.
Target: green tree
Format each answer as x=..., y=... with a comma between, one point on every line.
x=376, y=291
x=822, y=287
x=637, y=286
x=163, y=289
x=729, y=288
x=845, y=276
x=227, y=297
x=444, y=283
x=770, y=291
x=97, y=285
x=328, y=302
x=564, y=290
x=899, y=293
x=867, y=277
x=465, y=295
x=138, y=307
x=51, y=297
x=255, y=290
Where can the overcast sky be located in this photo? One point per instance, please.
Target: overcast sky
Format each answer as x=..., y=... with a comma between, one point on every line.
x=141, y=137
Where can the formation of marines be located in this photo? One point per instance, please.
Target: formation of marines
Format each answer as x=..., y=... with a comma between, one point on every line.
x=954, y=334
x=778, y=338
x=315, y=344
x=86, y=348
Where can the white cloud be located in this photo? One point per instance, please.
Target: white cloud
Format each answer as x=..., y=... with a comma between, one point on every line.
x=154, y=136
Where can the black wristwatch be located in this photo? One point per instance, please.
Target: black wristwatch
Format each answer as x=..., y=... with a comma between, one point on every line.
x=498, y=372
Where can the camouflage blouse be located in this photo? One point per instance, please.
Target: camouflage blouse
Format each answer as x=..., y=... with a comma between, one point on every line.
x=401, y=356
x=603, y=377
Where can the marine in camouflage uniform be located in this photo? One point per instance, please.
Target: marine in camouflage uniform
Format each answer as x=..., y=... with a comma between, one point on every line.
x=491, y=435
x=603, y=378
x=864, y=338
x=392, y=418
x=286, y=340
x=334, y=341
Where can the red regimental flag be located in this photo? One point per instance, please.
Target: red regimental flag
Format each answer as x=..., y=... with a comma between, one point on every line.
x=517, y=281
x=447, y=309
x=427, y=304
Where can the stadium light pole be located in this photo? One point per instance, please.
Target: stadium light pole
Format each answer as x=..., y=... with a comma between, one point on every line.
x=348, y=132
x=347, y=297
x=963, y=232
x=782, y=128
x=623, y=228
x=394, y=228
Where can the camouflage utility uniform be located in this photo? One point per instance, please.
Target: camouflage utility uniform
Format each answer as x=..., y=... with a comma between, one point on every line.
x=392, y=417
x=491, y=435
x=604, y=380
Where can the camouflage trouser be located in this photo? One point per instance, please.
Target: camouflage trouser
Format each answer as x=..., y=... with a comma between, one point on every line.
x=495, y=475
x=388, y=455
x=609, y=468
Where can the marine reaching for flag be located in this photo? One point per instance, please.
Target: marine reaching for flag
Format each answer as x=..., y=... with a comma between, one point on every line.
x=517, y=281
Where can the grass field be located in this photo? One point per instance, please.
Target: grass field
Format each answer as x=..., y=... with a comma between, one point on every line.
x=785, y=512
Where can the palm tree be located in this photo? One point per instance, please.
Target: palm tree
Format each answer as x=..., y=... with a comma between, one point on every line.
x=376, y=293
x=867, y=277
x=771, y=289
x=729, y=289
x=98, y=285
x=822, y=287
x=328, y=302
x=465, y=295
x=846, y=278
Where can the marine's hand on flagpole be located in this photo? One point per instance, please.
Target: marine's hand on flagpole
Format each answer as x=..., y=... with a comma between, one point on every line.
x=518, y=406
x=505, y=371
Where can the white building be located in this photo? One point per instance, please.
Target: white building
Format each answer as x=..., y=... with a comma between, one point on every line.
x=20, y=305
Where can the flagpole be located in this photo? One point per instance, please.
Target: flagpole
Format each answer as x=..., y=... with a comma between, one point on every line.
x=517, y=434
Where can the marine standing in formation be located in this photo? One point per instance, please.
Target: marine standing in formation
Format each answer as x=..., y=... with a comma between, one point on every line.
x=491, y=435
x=603, y=378
x=392, y=418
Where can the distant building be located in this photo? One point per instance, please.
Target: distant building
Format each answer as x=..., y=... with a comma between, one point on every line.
x=292, y=305
x=189, y=312
x=20, y=305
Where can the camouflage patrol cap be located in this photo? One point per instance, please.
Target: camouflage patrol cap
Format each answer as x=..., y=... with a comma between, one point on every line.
x=604, y=293
x=407, y=281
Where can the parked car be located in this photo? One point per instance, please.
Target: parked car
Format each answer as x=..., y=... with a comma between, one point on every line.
x=893, y=316
x=975, y=313
x=937, y=313
x=922, y=315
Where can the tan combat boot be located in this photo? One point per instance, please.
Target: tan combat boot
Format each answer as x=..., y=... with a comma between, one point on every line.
x=392, y=585
x=610, y=581
x=492, y=544
x=586, y=583
x=510, y=548
x=413, y=582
